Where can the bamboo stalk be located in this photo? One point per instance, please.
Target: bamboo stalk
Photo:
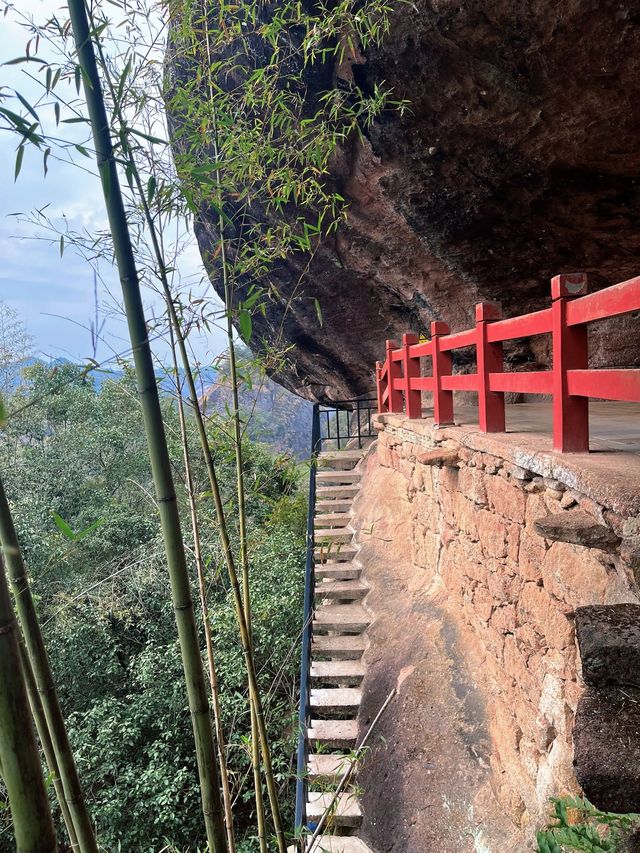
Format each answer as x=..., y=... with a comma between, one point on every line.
x=244, y=553
x=240, y=617
x=156, y=439
x=46, y=743
x=197, y=549
x=224, y=537
x=44, y=679
x=233, y=576
x=19, y=757
x=220, y=514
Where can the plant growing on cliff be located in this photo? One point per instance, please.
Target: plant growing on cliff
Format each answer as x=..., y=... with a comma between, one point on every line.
x=578, y=825
x=254, y=149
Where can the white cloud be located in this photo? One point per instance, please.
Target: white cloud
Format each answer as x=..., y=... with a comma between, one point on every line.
x=34, y=279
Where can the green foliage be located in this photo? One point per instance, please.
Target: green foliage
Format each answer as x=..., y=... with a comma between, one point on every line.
x=108, y=622
x=251, y=146
x=581, y=826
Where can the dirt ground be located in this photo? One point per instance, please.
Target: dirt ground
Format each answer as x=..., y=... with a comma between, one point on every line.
x=426, y=780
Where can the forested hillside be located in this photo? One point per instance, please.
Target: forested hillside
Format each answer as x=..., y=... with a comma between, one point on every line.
x=77, y=475
x=272, y=414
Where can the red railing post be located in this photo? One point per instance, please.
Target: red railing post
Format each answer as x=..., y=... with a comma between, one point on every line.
x=411, y=370
x=570, y=414
x=394, y=378
x=489, y=359
x=442, y=363
x=379, y=388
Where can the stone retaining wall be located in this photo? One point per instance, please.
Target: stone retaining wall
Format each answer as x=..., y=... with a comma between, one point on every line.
x=473, y=509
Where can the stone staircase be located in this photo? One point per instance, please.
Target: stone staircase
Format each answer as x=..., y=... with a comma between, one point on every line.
x=338, y=645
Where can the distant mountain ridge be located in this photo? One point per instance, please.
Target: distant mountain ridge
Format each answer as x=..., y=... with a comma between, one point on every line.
x=275, y=417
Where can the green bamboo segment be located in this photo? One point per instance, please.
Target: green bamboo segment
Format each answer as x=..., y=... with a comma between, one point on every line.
x=197, y=552
x=256, y=704
x=44, y=679
x=19, y=756
x=254, y=689
x=226, y=546
x=231, y=569
x=46, y=743
x=254, y=698
x=156, y=439
x=242, y=510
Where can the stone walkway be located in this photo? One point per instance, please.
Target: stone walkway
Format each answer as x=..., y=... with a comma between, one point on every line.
x=610, y=473
x=426, y=783
x=613, y=426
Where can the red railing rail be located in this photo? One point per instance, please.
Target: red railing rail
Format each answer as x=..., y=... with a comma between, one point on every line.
x=570, y=381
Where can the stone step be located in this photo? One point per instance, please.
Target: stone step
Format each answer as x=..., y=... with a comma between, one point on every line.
x=338, y=647
x=335, y=458
x=326, y=767
x=334, y=734
x=346, y=811
x=338, y=571
x=333, y=535
x=335, y=700
x=333, y=519
x=343, y=492
x=337, y=552
x=345, y=618
x=332, y=506
x=344, y=673
x=341, y=590
x=333, y=478
x=337, y=844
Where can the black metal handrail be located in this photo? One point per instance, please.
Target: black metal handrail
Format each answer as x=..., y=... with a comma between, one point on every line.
x=307, y=629
x=350, y=412
x=354, y=429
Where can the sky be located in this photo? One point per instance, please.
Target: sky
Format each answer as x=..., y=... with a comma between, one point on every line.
x=54, y=294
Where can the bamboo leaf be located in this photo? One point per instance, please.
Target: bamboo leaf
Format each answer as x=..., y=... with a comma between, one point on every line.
x=14, y=118
x=47, y=153
x=245, y=325
x=82, y=533
x=62, y=525
x=19, y=59
x=61, y=245
x=123, y=79
x=19, y=158
x=151, y=188
x=148, y=137
x=27, y=106
x=318, y=311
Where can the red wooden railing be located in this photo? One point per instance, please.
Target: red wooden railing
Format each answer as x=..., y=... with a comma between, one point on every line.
x=570, y=381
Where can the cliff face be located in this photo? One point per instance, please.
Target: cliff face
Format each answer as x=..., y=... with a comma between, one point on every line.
x=517, y=160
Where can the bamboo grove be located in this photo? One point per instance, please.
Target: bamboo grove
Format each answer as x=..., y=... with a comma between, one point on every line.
x=247, y=146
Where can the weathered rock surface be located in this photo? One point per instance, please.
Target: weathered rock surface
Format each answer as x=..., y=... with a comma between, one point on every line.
x=577, y=528
x=606, y=740
x=476, y=551
x=609, y=641
x=439, y=456
x=517, y=160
